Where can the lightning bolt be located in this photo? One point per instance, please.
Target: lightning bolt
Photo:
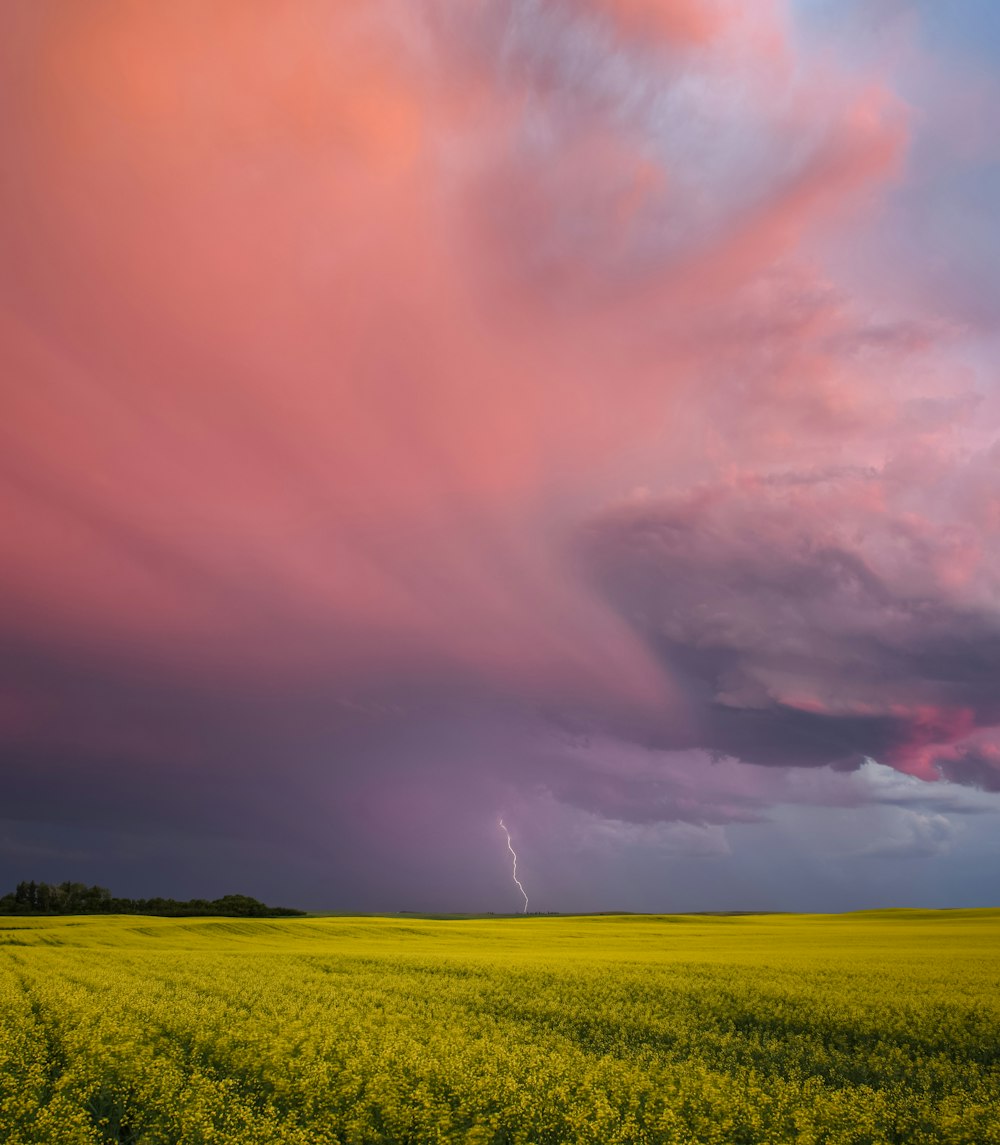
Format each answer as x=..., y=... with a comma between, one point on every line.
x=514, y=856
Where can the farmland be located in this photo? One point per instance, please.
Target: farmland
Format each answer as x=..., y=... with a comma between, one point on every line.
x=843, y=1030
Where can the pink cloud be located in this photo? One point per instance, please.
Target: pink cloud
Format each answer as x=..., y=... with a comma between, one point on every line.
x=328, y=332
x=677, y=21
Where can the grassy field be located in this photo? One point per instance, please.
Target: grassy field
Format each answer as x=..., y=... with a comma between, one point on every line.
x=878, y=1027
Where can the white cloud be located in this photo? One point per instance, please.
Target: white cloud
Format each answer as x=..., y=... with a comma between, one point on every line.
x=916, y=835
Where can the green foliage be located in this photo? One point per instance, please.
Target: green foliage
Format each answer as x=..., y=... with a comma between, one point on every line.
x=76, y=898
x=845, y=1030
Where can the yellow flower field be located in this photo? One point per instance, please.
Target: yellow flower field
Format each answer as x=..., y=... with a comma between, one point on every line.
x=844, y=1030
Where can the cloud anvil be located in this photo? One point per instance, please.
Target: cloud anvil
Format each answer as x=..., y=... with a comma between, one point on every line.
x=415, y=409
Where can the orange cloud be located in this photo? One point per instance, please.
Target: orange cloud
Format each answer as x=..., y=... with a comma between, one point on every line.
x=325, y=327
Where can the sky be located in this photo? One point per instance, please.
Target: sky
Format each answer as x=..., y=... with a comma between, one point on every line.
x=584, y=412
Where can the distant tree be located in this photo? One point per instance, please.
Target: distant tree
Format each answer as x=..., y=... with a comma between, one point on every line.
x=77, y=898
x=241, y=905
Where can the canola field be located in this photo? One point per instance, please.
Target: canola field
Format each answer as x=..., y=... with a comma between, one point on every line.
x=842, y=1030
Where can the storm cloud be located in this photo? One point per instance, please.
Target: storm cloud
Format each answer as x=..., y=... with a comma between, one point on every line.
x=417, y=411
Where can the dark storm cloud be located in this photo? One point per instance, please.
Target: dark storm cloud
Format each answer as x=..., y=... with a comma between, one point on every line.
x=977, y=767
x=324, y=326
x=806, y=623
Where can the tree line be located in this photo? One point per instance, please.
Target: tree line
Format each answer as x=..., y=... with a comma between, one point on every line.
x=76, y=898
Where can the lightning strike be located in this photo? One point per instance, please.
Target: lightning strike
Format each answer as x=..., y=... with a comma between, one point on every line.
x=514, y=855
